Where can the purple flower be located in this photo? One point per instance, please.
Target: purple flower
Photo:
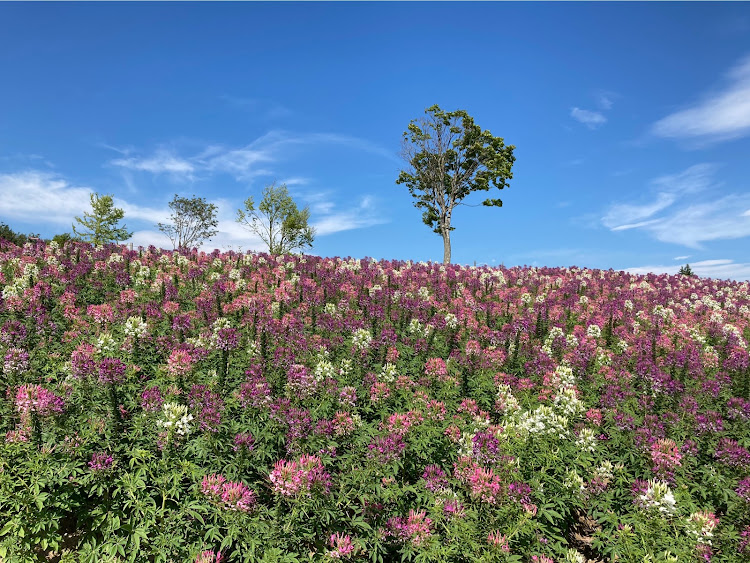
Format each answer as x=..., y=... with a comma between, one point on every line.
x=386, y=449
x=112, y=370
x=227, y=339
x=435, y=478
x=16, y=361
x=207, y=406
x=151, y=399
x=244, y=442
x=100, y=462
x=743, y=489
x=485, y=447
x=730, y=453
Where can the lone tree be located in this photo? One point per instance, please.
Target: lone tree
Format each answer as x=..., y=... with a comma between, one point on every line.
x=193, y=221
x=686, y=270
x=450, y=157
x=102, y=223
x=278, y=221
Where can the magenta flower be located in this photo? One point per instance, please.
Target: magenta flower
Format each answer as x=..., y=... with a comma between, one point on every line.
x=228, y=495
x=100, y=462
x=111, y=370
x=38, y=400
x=415, y=528
x=342, y=546
x=209, y=556
x=244, y=442
x=730, y=453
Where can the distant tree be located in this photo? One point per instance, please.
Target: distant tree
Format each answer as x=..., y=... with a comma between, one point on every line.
x=62, y=238
x=278, y=221
x=13, y=237
x=686, y=270
x=193, y=221
x=101, y=225
x=450, y=157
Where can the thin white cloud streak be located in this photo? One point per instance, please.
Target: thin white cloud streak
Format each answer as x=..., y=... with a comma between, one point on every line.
x=591, y=119
x=670, y=217
x=721, y=116
x=248, y=162
x=362, y=216
x=669, y=188
x=694, y=224
x=719, y=269
x=163, y=162
x=622, y=216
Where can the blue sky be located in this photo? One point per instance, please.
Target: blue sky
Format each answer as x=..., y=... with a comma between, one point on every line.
x=631, y=122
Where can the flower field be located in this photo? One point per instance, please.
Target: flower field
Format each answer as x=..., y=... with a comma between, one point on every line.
x=203, y=407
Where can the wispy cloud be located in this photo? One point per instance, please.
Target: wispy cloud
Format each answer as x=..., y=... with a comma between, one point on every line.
x=591, y=119
x=364, y=214
x=670, y=217
x=163, y=162
x=721, y=269
x=682, y=257
x=247, y=162
x=721, y=115
x=604, y=100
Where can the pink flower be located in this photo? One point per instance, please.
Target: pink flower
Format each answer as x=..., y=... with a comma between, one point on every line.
x=342, y=546
x=415, y=528
x=209, y=556
x=496, y=539
x=180, y=363
x=36, y=399
x=303, y=476
x=229, y=495
x=665, y=458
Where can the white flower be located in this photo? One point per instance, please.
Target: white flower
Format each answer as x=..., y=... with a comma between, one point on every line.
x=135, y=326
x=586, y=440
x=176, y=418
x=388, y=373
x=361, y=339
x=659, y=497
x=451, y=321
x=594, y=331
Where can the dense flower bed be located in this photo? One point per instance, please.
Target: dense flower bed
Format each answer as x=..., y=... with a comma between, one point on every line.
x=159, y=406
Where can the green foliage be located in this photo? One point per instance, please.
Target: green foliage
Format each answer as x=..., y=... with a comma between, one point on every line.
x=62, y=238
x=101, y=225
x=193, y=221
x=686, y=270
x=13, y=237
x=278, y=221
x=450, y=157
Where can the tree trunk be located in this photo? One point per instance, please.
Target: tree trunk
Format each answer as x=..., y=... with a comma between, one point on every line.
x=446, y=246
